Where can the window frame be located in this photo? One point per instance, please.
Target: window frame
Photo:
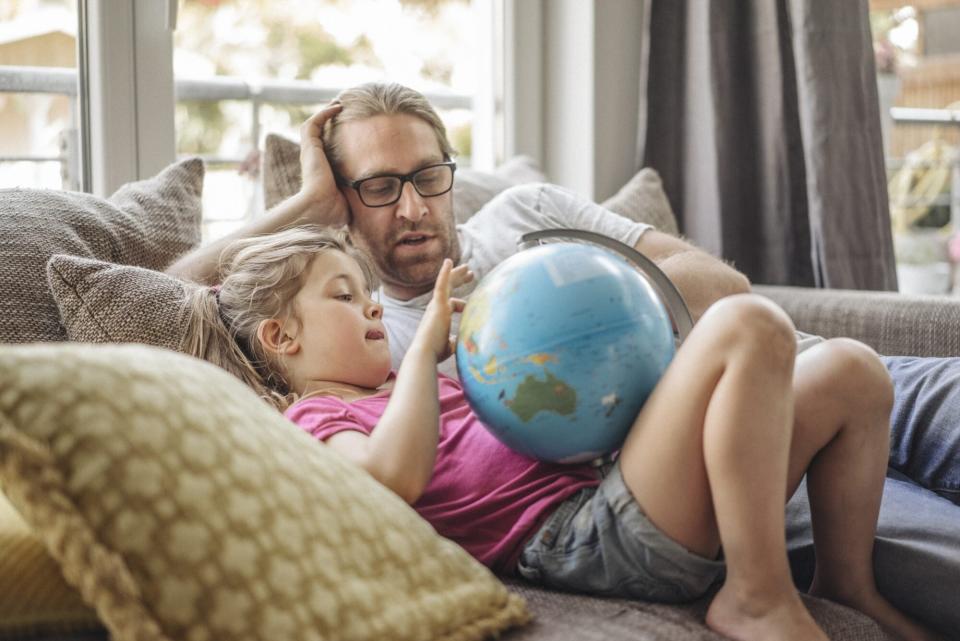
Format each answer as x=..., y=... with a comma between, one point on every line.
x=128, y=92
x=125, y=65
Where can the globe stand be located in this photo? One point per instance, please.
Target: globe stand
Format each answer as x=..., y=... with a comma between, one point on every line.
x=667, y=292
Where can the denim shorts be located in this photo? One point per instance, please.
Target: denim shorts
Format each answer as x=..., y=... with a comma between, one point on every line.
x=599, y=541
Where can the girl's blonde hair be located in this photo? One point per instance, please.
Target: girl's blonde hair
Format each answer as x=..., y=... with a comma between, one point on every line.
x=261, y=276
x=376, y=99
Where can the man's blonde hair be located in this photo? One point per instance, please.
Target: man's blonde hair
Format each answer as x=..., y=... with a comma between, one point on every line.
x=376, y=99
x=262, y=275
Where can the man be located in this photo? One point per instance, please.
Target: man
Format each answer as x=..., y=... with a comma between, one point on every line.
x=408, y=234
x=378, y=160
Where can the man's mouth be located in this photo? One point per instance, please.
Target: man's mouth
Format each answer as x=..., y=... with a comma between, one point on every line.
x=374, y=335
x=413, y=239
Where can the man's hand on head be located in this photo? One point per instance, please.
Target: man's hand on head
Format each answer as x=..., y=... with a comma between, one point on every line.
x=323, y=203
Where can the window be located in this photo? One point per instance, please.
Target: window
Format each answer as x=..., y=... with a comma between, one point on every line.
x=245, y=69
x=39, y=114
x=238, y=70
x=918, y=81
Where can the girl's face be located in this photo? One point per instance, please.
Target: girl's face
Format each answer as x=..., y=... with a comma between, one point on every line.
x=339, y=328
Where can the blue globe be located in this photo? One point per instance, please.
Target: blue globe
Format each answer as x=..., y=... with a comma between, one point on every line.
x=559, y=346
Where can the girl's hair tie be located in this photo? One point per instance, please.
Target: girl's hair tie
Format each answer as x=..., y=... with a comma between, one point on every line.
x=216, y=295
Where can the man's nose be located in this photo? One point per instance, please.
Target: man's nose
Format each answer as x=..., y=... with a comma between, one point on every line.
x=411, y=205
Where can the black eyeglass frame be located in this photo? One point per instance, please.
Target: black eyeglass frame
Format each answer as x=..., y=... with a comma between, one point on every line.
x=404, y=178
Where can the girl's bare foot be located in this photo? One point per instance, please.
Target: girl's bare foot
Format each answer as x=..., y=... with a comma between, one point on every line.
x=760, y=617
x=871, y=603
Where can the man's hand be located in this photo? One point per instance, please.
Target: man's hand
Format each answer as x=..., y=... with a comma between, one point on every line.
x=433, y=333
x=325, y=205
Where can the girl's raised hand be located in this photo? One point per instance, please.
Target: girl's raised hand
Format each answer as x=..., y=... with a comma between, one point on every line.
x=319, y=186
x=434, y=329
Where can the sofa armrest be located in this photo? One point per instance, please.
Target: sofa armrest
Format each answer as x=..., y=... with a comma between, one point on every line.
x=891, y=323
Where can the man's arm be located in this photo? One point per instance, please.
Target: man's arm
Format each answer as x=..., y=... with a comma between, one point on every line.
x=701, y=278
x=202, y=264
x=318, y=202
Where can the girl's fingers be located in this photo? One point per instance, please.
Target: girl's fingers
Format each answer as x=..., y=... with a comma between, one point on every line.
x=461, y=274
x=442, y=289
x=458, y=304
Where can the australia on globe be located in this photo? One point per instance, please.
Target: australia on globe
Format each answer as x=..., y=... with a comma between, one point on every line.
x=558, y=349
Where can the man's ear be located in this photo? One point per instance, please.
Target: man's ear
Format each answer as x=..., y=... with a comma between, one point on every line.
x=277, y=337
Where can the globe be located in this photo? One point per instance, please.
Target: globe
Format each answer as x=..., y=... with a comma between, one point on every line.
x=559, y=346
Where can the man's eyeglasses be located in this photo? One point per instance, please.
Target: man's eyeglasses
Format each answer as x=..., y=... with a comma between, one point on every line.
x=385, y=189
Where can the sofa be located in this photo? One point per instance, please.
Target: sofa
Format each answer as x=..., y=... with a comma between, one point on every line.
x=89, y=463
x=891, y=323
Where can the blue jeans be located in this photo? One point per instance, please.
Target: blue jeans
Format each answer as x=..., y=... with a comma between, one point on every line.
x=925, y=424
x=917, y=550
x=916, y=556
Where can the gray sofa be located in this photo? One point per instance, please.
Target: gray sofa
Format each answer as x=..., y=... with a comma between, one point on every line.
x=892, y=324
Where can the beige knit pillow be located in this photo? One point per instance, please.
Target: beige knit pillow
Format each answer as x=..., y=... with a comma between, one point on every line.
x=102, y=302
x=642, y=199
x=147, y=223
x=184, y=508
x=472, y=189
x=35, y=601
x=281, y=169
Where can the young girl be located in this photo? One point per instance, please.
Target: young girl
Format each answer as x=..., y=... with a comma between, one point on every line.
x=723, y=441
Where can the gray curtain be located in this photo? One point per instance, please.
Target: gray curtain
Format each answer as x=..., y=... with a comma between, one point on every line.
x=762, y=118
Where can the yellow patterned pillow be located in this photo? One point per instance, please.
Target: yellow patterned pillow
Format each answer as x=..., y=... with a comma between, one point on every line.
x=34, y=598
x=183, y=507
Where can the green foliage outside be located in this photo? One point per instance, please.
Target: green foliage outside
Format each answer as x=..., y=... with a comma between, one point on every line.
x=200, y=127
x=462, y=139
x=278, y=40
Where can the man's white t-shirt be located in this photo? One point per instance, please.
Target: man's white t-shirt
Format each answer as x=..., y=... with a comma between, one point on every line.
x=491, y=236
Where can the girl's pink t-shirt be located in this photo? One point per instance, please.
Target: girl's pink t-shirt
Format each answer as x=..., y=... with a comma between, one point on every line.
x=483, y=495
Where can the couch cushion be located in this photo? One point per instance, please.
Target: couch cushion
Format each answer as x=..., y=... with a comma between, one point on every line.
x=147, y=223
x=281, y=169
x=562, y=616
x=35, y=600
x=184, y=507
x=642, y=199
x=102, y=302
x=472, y=189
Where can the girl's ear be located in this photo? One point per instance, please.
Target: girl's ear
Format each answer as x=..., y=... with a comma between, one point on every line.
x=277, y=338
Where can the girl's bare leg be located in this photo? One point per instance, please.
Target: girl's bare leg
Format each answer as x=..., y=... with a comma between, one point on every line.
x=841, y=439
x=707, y=460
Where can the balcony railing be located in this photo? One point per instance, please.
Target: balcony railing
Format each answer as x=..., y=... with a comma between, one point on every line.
x=63, y=81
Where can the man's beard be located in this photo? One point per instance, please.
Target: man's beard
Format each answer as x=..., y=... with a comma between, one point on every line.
x=417, y=270
x=411, y=270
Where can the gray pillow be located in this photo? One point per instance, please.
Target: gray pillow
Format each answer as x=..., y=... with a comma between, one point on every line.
x=642, y=199
x=472, y=189
x=281, y=170
x=148, y=223
x=102, y=302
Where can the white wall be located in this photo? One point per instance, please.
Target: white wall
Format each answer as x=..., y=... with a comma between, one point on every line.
x=618, y=30
x=572, y=96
